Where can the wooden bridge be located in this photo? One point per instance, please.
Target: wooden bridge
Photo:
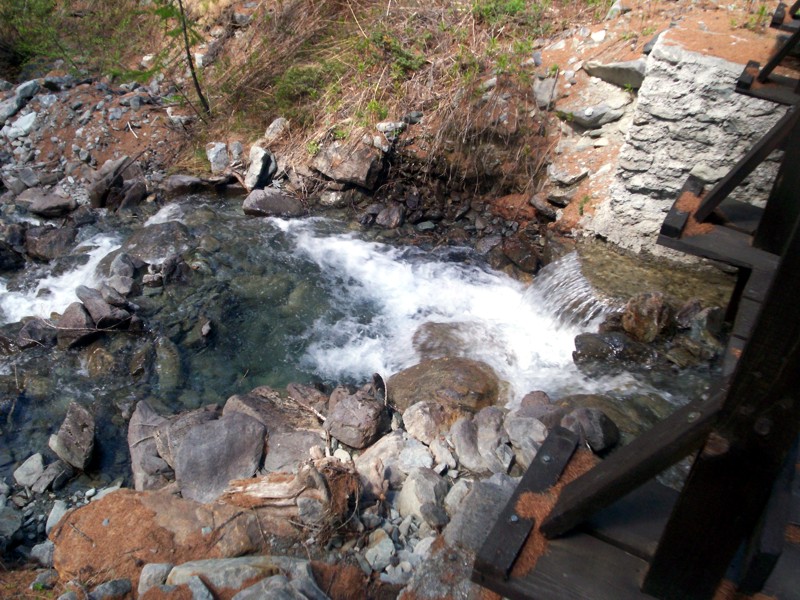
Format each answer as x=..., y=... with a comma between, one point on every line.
x=614, y=532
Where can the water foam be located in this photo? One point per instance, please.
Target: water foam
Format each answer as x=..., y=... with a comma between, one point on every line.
x=519, y=331
x=53, y=293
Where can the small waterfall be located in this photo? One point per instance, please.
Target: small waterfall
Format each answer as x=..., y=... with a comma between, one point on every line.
x=562, y=289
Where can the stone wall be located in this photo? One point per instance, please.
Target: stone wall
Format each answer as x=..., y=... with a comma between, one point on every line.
x=688, y=120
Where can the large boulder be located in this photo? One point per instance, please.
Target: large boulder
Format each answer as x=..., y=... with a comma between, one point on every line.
x=104, y=315
x=154, y=243
x=214, y=453
x=47, y=204
x=150, y=471
x=75, y=327
x=357, y=163
x=171, y=431
x=455, y=382
x=263, y=166
x=74, y=441
x=47, y=243
x=272, y=202
x=357, y=420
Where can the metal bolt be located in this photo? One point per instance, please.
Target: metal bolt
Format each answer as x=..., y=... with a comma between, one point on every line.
x=546, y=458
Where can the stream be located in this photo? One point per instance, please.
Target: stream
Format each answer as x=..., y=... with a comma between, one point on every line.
x=305, y=300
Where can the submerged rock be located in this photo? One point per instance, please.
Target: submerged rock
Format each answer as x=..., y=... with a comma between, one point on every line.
x=272, y=202
x=74, y=441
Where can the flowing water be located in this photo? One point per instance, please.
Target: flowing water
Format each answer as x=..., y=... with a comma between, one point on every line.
x=301, y=300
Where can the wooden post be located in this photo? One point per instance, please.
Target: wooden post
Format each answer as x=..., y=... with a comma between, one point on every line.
x=731, y=480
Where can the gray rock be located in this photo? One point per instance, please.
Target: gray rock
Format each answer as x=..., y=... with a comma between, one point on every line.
x=276, y=587
x=425, y=421
x=47, y=204
x=45, y=580
x=380, y=463
x=54, y=476
x=392, y=216
x=29, y=471
x=357, y=421
x=153, y=574
x=594, y=427
x=544, y=91
x=422, y=486
x=627, y=74
x=47, y=243
x=154, y=243
x=56, y=513
x=380, y=550
x=74, y=441
x=288, y=449
x=223, y=573
x=540, y=203
x=217, y=154
x=214, y=453
x=150, y=471
x=103, y=314
x=456, y=495
x=27, y=90
x=116, y=588
x=594, y=117
x=276, y=130
x=526, y=433
x=29, y=177
x=357, y=163
x=70, y=595
x=43, y=553
x=10, y=522
x=468, y=527
x=490, y=436
x=272, y=202
x=170, y=434
x=10, y=259
x=262, y=168
x=464, y=435
x=180, y=185
x=415, y=455
x=198, y=589
x=21, y=127
x=567, y=177
x=302, y=577
x=442, y=454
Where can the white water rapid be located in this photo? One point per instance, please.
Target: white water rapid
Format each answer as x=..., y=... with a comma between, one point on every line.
x=525, y=333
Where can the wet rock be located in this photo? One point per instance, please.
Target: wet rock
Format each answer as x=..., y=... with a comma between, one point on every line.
x=29, y=471
x=611, y=346
x=451, y=381
x=523, y=251
x=263, y=166
x=150, y=471
x=627, y=74
x=36, y=333
x=75, y=327
x=357, y=421
x=103, y=314
x=170, y=433
x=464, y=435
x=154, y=243
x=224, y=573
x=181, y=185
x=10, y=259
x=355, y=163
x=47, y=243
x=646, y=316
x=168, y=365
x=272, y=202
x=214, y=453
x=74, y=441
x=217, y=155
x=594, y=427
x=153, y=574
x=392, y=216
x=116, y=588
x=47, y=204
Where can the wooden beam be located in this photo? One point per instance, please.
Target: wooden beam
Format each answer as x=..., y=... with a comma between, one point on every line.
x=730, y=481
x=508, y=535
x=630, y=466
x=780, y=54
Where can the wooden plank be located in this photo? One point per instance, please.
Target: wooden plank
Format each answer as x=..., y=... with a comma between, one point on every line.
x=630, y=466
x=757, y=285
x=748, y=76
x=725, y=245
x=733, y=352
x=746, y=318
x=777, y=58
x=674, y=223
x=740, y=216
x=508, y=535
x=779, y=16
x=635, y=522
x=731, y=479
x=778, y=89
x=578, y=567
x=773, y=139
x=766, y=547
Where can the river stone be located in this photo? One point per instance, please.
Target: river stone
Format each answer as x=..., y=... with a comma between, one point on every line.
x=47, y=243
x=224, y=573
x=154, y=243
x=380, y=463
x=75, y=327
x=74, y=441
x=425, y=421
x=43, y=553
x=288, y=449
x=523, y=250
x=181, y=185
x=103, y=314
x=451, y=381
x=110, y=590
x=354, y=163
x=415, y=455
x=149, y=469
x=168, y=365
x=527, y=433
x=263, y=166
x=392, y=216
x=153, y=574
x=464, y=435
x=10, y=259
x=646, y=316
x=55, y=475
x=490, y=436
x=612, y=346
x=56, y=514
x=482, y=505
x=217, y=155
x=357, y=421
x=422, y=486
x=170, y=432
x=626, y=74
x=29, y=471
x=47, y=204
x=271, y=202
x=10, y=522
x=36, y=333
x=594, y=427
x=214, y=453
